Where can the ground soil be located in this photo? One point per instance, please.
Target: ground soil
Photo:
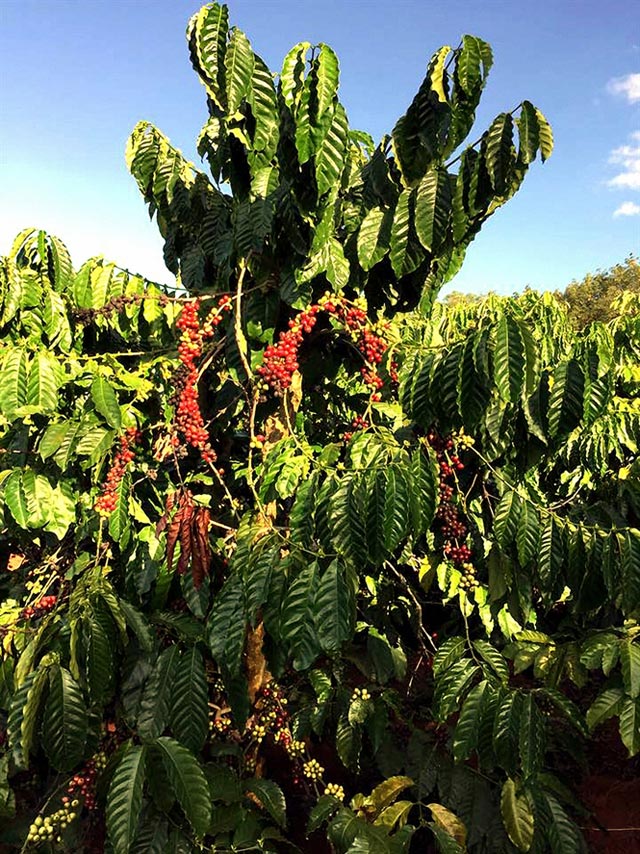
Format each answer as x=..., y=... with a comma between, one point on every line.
x=612, y=792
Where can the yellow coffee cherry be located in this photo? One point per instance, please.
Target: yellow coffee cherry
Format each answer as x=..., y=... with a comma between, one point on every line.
x=335, y=790
x=313, y=770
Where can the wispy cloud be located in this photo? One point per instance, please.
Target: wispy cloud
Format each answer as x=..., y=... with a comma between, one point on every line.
x=628, y=87
x=627, y=209
x=628, y=158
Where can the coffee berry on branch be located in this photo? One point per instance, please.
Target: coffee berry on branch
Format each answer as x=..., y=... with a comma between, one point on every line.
x=189, y=421
x=281, y=360
x=108, y=498
x=452, y=523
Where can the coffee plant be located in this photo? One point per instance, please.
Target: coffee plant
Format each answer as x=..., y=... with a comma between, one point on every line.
x=295, y=557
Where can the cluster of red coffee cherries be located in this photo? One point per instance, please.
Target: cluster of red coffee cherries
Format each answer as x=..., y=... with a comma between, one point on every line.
x=40, y=607
x=281, y=359
x=84, y=783
x=107, y=500
x=189, y=421
x=358, y=423
x=452, y=524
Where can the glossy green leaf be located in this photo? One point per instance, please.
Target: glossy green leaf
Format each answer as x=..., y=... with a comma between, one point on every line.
x=508, y=370
x=105, y=401
x=124, y=801
x=433, y=209
x=64, y=726
x=187, y=781
x=270, y=797
x=189, y=702
x=517, y=814
x=238, y=69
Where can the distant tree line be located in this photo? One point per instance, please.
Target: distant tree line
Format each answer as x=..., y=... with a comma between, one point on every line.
x=588, y=299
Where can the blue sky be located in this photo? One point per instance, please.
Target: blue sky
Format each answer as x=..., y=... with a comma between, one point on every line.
x=76, y=75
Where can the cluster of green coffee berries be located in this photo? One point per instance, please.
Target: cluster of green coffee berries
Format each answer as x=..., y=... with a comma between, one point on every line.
x=49, y=828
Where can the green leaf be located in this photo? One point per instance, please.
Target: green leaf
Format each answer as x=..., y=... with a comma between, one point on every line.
x=348, y=743
x=423, y=492
x=207, y=37
x=528, y=133
x=64, y=726
x=630, y=662
x=62, y=512
x=607, y=704
x=326, y=807
x=297, y=619
x=499, y=154
x=189, y=710
x=292, y=74
x=16, y=498
x=334, y=607
x=238, y=69
x=328, y=76
x=187, y=781
x=531, y=736
x=404, y=252
x=450, y=651
x=120, y=518
x=566, y=398
x=528, y=533
x=545, y=136
x=630, y=725
x=42, y=385
x=569, y=709
x=468, y=62
x=465, y=737
x=159, y=694
x=13, y=381
x=68, y=445
x=631, y=570
x=506, y=518
x=509, y=362
x=24, y=713
x=136, y=621
x=494, y=659
x=560, y=831
x=396, y=500
x=100, y=663
x=39, y=495
x=52, y=439
x=270, y=796
x=264, y=106
x=452, y=686
x=506, y=731
x=105, y=401
x=551, y=557
x=370, y=247
x=124, y=800
x=433, y=209
x=226, y=625
x=517, y=814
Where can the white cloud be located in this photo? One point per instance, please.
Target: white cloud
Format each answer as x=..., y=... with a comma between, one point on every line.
x=628, y=157
x=627, y=209
x=628, y=86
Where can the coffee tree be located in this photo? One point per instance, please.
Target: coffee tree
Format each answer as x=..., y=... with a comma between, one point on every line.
x=295, y=557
